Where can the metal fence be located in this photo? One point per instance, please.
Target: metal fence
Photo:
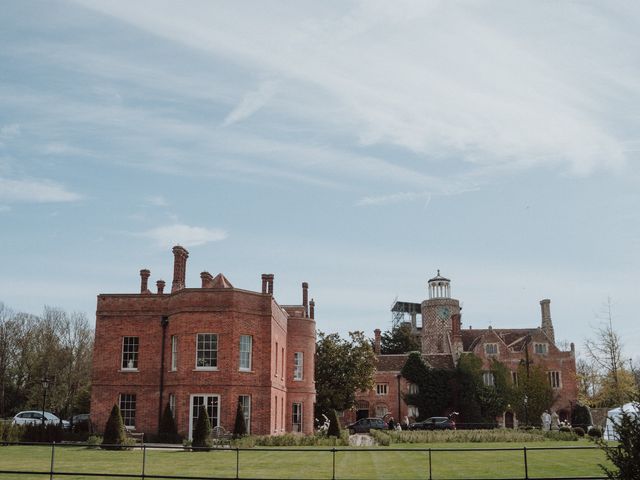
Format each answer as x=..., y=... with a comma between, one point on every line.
x=322, y=463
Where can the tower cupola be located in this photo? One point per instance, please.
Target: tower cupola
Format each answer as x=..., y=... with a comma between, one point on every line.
x=439, y=287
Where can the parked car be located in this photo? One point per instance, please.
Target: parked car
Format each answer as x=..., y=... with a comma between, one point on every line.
x=364, y=425
x=34, y=417
x=434, y=423
x=81, y=422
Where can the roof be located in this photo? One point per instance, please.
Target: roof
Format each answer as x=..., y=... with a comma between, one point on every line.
x=394, y=363
x=406, y=307
x=512, y=337
x=220, y=281
x=439, y=278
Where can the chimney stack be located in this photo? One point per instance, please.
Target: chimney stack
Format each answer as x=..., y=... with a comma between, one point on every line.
x=144, y=280
x=547, y=324
x=180, y=256
x=312, y=309
x=270, y=283
x=455, y=324
x=160, y=284
x=264, y=282
x=376, y=346
x=305, y=298
x=207, y=279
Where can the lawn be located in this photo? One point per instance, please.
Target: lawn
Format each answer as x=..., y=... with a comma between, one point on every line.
x=315, y=463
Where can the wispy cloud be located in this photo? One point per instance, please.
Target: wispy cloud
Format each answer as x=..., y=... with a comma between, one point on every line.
x=251, y=102
x=157, y=201
x=35, y=191
x=185, y=235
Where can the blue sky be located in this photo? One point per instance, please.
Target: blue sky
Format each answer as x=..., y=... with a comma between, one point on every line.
x=359, y=146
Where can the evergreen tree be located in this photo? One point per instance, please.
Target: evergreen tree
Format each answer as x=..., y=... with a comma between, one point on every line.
x=114, y=436
x=240, y=426
x=168, y=431
x=334, y=424
x=625, y=456
x=202, y=432
x=400, y=339
x=581, y=417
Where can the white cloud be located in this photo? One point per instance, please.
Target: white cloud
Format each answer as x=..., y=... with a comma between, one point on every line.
x=157, y=201
x=251, y=103
x=188, y=236
x=35, y=191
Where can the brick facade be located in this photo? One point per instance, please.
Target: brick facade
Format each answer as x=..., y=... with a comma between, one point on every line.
x=443, y=341
x=218, y=315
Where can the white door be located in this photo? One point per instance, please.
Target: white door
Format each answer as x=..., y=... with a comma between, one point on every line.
x=198, y=402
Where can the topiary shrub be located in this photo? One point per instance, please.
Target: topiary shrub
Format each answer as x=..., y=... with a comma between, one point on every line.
x=581, y=416
x=114, y=436
x=579, y=431
x=240, y=426
x=168, y=431
x=595, y=432
x=334, y=425
x=202, y=433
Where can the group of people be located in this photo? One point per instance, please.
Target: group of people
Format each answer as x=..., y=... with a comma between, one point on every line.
x=393, y=425
x=550, y=421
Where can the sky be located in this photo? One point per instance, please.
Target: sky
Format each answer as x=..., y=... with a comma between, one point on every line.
x=358, y=146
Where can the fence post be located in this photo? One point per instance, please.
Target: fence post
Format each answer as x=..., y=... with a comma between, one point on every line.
x=430, y=477
x=144, y=459
x=53, y=453
x=526, y=464
x=237, y=462
x=333, y=475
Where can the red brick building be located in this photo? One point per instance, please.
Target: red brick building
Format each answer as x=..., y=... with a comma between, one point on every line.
x=212, y=346
x=443, y=340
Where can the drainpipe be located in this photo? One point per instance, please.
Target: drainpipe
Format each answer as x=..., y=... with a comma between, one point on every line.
x=163, y=322
x=399, y=377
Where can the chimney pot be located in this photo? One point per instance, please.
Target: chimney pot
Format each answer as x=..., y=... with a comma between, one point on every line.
x=264, y=282
x=312, y=309
x=377, y=347
x=160, y=284
x=180, y=255
x=144, y=280
x=305, y=298
x=207, y=279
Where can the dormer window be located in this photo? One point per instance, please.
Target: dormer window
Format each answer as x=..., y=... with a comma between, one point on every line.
x=540, y=348
x=491, y=348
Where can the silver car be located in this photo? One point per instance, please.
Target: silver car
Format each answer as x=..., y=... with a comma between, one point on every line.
x=34, y=417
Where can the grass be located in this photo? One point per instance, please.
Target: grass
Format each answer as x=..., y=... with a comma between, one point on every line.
x=397, y=462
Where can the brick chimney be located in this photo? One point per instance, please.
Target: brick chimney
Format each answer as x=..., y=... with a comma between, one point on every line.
x=269, y=278
x=180, y=256
x=160, y=284
x=207, y=279
x=456, y=336
x=144, y=280
x=376, y=346
x=312, y=309
x=547, y=324
x=264, y=283
x=305, y=298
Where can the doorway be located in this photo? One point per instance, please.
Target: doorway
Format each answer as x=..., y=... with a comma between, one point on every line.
x=198, y=402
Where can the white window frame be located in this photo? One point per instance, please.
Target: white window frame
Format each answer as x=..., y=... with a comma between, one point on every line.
x=488, y=379
x=172, y=404
x=246, y=410
x=296, y=426
x=543, y=347
x=298, y=366
x=206, y=396
x=174, y=353
x=125, y=400
x=414, y=389
x=412, y=411
x=213, y=350
x=555, y=379
x=245, y=364
x=382, y=389
x=131, y=364
x=491, y=346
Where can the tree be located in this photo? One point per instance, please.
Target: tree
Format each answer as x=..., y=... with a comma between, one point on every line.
x=533, y=384
x=240, y=426
x=341, y=368
x=334, y=424
x=202, y=432
x=114, y=436
x=625, y=456
x=400, y=339
x=168, y=431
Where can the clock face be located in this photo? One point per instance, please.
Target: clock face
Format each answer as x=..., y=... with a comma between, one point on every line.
x=443, y=313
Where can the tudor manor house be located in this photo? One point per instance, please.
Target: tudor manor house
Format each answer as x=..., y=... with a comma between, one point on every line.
x=217, y=345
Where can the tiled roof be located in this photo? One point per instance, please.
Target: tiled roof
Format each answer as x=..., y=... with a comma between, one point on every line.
x=394, y=363
x=220, y=281
x=513, y=337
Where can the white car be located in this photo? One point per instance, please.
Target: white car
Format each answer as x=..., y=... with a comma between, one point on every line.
x=34, y=417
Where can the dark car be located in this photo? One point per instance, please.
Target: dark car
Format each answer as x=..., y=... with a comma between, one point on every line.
x=81, y=422
x=364, y=425
x=434, y=423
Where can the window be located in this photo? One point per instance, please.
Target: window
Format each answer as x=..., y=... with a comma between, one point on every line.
x=381, y=410
x=282, y=369
x=540, y=348
x=554, y=379
x=128, y=409
x=514, y=378
x=298, y=365
x=245, y=405
x=491, y=348
x=413, y=389
x=296, y=417
x=275, y=417
x=381, y=389
x=174, y=353
x=172, y=404
x=211, y=403
x=207, y=350
x=276, y=374
x=412, y=411
x=246, y=342
x=488, y=379
x=130, y=353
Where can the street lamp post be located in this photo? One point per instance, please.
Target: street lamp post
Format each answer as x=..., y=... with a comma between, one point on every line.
x=45, y=386
x=526, y=413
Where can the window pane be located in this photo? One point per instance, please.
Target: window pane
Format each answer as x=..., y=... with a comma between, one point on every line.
x=174, y=352
x=246, y=342
x=130, y=352
x=296, y=416
x=298, y=365
x=128, y=409
x=207, y=355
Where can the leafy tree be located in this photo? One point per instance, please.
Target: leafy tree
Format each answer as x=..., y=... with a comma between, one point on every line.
x=168, y=431
x=334, y=424
x=581, y=416
x=400, y=339
x=534, y=384
x=114, y=436
x=342, y=367
x=240, y=426
x=434, y=386
x=626, y=455
x=202, y=432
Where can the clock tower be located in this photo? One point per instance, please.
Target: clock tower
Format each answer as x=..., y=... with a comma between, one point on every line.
x=436, y=317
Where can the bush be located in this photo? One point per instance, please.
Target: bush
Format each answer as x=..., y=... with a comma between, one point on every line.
x=240, y=426
x=477, y=436
x=595, y=432
x=581, y=416
x=94, y=441
x=114, y=436
x=42, y=434
x=382, y=437
x=202, y=433
x=579, y=431
x=168, y=431
x=625, y=456
x=292, y=440
x=334, y=425
x=10, y=432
